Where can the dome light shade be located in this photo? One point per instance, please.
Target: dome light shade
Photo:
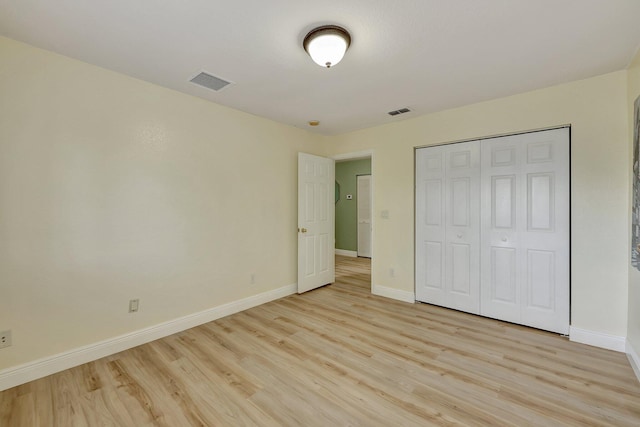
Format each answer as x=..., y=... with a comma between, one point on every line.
x=327, y=45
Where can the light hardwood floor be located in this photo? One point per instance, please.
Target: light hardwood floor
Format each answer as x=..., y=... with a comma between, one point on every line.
x=340, y=356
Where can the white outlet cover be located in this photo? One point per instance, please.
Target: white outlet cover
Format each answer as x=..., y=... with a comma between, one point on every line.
x=6, y=339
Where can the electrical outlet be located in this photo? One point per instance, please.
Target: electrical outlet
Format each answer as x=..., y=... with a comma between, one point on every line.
x=5, y=339
x=253, y=278
x=133, y=305
x=392, y=272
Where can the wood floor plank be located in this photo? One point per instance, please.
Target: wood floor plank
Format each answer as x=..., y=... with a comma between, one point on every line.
x=339, y=355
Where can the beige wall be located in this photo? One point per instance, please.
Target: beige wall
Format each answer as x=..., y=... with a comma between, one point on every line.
x=113, y=189
x=633, y=333
x=597, y=111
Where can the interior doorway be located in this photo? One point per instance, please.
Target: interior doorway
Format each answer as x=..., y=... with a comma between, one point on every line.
x=354, y=227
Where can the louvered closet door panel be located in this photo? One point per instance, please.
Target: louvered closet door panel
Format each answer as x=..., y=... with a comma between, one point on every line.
x=447, y=226
x=525, y=229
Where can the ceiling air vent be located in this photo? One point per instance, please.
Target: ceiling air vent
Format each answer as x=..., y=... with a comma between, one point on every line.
x=400, y=111
x=210, y=82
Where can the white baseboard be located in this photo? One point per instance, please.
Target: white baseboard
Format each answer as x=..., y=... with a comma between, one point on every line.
x=597, y=339
x=344, y=252
x=392, y=293
x=21, y=374
x=634, y=359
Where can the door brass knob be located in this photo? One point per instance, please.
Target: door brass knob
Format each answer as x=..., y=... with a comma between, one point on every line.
x=303, y=230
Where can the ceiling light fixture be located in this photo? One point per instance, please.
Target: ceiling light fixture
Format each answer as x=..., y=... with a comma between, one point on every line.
x=327, y=44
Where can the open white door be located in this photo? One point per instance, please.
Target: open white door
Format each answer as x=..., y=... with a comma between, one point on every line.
x=316, y=212
x=364, y=215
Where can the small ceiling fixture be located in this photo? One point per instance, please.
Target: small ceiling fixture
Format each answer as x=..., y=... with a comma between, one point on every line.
x=327, y=44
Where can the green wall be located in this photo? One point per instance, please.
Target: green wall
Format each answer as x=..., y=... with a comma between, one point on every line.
x=346, y=211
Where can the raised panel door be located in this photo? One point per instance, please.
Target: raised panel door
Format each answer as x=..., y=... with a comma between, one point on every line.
x=364, y=209
x=525, y=213
x=316, y=264
x=492, y=228
x=430, y=225
x=500, y=180
x=447, y=226
x=545, y=234
x=462, y=234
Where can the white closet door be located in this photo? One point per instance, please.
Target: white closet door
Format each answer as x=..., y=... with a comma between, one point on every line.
x=462, y=219
x=525, y=229
x=430, y=225
x=447, y=226
x=364, y=209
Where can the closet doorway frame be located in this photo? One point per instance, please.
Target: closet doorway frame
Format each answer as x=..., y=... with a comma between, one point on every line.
x=506, y=134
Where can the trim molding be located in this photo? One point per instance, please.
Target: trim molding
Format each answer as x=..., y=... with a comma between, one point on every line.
x=21, y=374
x=356, y=155
x=597, y=339
x=634, y=359
x=344, y=252
x=392, y=293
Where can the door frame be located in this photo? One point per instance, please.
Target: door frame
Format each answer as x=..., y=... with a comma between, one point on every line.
x=570, y=195
x=357, y=155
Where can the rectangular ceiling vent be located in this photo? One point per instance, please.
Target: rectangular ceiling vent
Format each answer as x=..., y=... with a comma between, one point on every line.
x=400, y=111
x=210, y=82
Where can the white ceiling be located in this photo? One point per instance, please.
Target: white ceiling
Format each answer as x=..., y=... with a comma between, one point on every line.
x=427, y=55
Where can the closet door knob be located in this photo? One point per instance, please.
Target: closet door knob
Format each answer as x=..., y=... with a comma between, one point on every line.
x=504, y=239
x=459, y=236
